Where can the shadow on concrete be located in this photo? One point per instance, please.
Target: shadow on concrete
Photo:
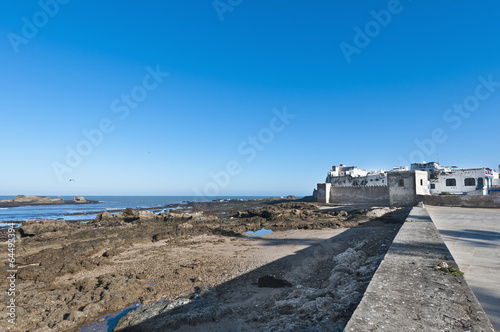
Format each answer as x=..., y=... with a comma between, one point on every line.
x=474, y=237
x=490, y=304
x=319, y=252
x=417, y=217
x=417, y=248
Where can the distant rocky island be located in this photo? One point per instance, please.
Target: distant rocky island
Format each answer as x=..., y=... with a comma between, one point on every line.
x=23, y=200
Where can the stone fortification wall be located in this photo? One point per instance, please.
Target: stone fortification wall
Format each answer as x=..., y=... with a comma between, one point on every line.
x=401, y=190
x=378, y=195
x=323, y=192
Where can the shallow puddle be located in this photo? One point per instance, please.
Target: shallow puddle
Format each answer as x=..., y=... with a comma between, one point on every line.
x=110, y=321
x=260, y=232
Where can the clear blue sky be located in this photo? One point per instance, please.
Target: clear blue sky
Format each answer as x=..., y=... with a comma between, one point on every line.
x=64, y=70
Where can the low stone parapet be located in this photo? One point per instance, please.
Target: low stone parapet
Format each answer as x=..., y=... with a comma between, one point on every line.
x=474, y=201
x=410, y=290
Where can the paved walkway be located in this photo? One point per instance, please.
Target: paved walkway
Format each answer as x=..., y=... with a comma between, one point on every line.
x=473, y=237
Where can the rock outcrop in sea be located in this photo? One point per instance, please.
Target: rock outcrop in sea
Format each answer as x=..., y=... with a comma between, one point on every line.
x=23, y=200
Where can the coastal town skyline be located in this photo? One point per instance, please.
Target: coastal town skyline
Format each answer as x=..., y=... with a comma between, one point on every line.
x=240, y=98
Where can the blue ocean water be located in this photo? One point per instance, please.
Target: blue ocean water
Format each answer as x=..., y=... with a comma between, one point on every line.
x=107, y=203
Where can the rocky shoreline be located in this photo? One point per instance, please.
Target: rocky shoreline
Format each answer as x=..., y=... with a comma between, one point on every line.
x=70, y=274
x=24, y=200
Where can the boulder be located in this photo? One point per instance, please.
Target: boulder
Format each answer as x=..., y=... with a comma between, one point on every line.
x=32, y=228
x=272, y=282
x=103, y=216
x=130, y=215
x=343, y=213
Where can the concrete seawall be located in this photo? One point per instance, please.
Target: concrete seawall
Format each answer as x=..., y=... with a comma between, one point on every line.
x=408, y=294
x=490, y=201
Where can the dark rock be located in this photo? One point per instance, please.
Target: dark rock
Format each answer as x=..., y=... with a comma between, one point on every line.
x=343, y=213
x=272, y=282
x=32, y=228
x=106, y=219
x=196, y=279
x=103, y=216
x=247, y=214
x=30, y=273
x=161, y=236
x=111, y=253
x=130, y=215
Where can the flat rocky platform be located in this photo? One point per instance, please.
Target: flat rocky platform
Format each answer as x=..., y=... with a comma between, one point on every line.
x=201, y=265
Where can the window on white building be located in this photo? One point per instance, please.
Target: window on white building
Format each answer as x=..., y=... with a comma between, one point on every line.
x=470, y=182
x=480, y=182
x=433, y=186
x=451, y=182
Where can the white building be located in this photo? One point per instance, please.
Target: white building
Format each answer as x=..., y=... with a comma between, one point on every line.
x=351, y=185
x=471, y=181
x=352, y=176
x=343, y=170
x=496, y=178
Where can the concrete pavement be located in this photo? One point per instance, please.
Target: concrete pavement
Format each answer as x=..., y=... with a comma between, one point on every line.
x=473, y=237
